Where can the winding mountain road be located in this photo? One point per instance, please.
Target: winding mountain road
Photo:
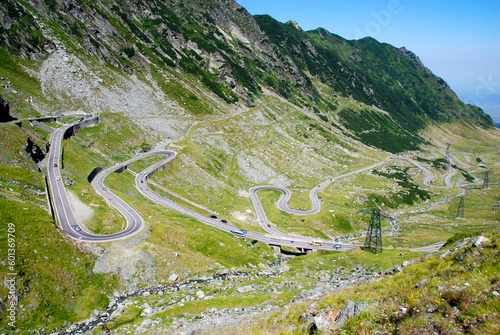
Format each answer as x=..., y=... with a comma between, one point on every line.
x=62, y=207
x=135, y=223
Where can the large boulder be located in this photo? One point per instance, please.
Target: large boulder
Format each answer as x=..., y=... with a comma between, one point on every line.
x=200, y=294
x=326, y=320
x=480, y=240
x=245, y=289
x=346, y=313
x=334, y=318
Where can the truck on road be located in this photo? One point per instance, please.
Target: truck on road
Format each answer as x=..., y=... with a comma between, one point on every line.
x=240, y=232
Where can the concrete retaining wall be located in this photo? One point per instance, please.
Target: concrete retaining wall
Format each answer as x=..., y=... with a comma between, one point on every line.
x=42, y=126
x=74, y=129
x=159, y=168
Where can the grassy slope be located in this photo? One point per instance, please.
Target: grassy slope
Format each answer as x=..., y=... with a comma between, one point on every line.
x=54, y=276
x=54, y=281
x=463, y=302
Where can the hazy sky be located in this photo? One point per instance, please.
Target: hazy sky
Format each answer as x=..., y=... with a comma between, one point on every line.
x=458, y=40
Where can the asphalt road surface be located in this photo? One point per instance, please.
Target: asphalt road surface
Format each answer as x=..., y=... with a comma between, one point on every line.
x=135, y=222
x=65, y=215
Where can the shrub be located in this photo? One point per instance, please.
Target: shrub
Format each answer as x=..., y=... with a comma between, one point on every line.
x=130, y=52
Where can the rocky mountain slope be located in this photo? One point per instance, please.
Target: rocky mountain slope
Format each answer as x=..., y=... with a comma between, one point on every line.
x=236, y=56
x=244, y=101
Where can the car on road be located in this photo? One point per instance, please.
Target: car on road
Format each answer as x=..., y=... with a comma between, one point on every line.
x=318, y=243
x=269, y=225
x=223, y=221
x=240, y=232
x=58, y=178
x=213, y=216
x=77, y=228
x=337, y=246
x=55, y=165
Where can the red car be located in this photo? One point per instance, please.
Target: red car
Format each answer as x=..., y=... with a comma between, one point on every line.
x=268, y=225
x=55, y=164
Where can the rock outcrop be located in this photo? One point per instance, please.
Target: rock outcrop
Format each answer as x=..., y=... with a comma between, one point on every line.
x=5, y=111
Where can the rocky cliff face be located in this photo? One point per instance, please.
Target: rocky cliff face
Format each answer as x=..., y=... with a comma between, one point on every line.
x=5, y=111
x=236, y=55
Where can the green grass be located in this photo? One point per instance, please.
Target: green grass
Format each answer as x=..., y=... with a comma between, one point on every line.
x=130, y=314
x=22, y=82
x=228, y=302
x=115, y=136
x=54, y=277
x=468, y=284
x=388, y=258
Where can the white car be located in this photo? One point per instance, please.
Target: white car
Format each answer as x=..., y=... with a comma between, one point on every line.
x=58, y=178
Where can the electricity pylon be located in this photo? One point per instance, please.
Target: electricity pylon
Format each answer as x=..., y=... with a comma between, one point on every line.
x=373, y=241
x=485, y=182
x=461, y=206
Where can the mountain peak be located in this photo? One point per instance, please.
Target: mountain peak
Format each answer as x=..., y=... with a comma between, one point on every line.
x=414, y=58
x=295, y=24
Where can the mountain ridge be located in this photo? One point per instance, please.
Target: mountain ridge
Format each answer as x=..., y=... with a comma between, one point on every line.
x=235, y=54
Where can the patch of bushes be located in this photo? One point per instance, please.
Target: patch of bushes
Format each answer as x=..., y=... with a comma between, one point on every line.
x=466, y=174
x=130, y=52
x=412, y=192
x=378, y=130
x=437, y=164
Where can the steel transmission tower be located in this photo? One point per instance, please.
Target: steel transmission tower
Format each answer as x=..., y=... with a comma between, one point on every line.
x=373, y=240
x=461, y=206
x=485, y=183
